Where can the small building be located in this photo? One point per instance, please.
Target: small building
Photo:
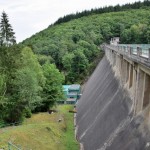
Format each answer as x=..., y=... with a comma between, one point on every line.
x=115, y=41
x=72, y=93
x=71, y=101
x=75, y=88
x=65, y=90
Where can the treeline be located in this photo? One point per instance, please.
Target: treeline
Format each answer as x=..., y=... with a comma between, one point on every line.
x=107, y=9
x=25, y=85
x=29, y=77
x=74, y=46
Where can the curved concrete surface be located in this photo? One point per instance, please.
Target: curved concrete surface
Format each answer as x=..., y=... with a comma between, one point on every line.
x=104, y=117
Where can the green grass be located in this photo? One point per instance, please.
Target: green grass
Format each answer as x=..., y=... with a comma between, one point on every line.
x=43, y=132
x=68, y=141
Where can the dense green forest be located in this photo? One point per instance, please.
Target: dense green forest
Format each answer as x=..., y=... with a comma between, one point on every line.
x=32, y=72
x=74, y=46
x=25, y=85
x=126, y=7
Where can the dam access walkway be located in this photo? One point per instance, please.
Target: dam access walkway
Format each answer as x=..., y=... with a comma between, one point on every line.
x=139, y=53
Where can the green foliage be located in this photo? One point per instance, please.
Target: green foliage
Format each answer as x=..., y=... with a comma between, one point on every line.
x=29, y=79
x=2, y=94
x=72, y=47
x=25, y=86
x=136, y=34
x=52, y=91
x=8, y=65
x=106, y=9
x=7, y=37
x=44, y=59
x=67, y=61
x=2, y=86
x=61, y=43
x=27, y=112
x=23, y=82
x=79, y=64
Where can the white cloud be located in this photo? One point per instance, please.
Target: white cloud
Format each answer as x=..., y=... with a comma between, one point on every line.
x=30, y=16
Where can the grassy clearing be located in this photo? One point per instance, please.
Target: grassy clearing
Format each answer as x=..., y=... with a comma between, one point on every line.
x=43, y=132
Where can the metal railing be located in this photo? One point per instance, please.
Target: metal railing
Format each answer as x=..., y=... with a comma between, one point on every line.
x=139, y=53
x=141, y=50
x=11, y=146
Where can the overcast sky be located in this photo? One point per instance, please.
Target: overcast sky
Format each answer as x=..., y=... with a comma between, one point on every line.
x=30, y=16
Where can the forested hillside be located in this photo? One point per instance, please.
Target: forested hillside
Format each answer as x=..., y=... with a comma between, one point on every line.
x=73, y=46
x=126, y=7
x=32, y=72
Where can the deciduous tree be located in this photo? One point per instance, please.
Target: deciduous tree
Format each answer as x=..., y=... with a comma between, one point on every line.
x=52, y=91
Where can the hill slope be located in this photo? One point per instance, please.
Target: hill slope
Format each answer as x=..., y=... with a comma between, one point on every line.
x=73, y=46
x=43, y=132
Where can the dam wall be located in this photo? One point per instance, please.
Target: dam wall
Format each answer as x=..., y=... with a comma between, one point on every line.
x=113, y=112
x=132, y=67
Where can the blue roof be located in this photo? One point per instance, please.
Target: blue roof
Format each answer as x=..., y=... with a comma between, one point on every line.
x=74, y=87
x=66, y=87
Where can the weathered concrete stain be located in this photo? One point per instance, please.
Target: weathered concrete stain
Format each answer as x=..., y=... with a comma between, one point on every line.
x=105, y=117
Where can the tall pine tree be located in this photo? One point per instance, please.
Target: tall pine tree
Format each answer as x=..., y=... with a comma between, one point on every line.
x=7, y=37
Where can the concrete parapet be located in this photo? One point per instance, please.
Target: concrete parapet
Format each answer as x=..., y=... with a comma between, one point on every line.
x=105, y=119
x=137, y=54
x=132, y=67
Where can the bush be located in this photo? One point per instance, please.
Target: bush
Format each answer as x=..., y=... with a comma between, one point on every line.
x=27, y=113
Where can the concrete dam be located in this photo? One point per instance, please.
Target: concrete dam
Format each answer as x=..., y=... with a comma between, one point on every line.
x=114, y=110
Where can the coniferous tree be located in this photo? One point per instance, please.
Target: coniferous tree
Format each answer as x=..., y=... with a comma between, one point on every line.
x=7, y=37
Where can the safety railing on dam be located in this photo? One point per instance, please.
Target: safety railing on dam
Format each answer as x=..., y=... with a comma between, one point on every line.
x=131, y=63
x=137, y=52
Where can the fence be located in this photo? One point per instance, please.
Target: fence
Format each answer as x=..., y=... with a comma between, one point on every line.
x=11, y=146
x=137, y=52
x=142, y=50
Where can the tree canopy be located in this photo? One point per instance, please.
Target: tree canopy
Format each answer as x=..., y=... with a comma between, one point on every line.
x=7, y=36
x=125, y=7
x=64, y=43
x=25, y=85
x=32, y=72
